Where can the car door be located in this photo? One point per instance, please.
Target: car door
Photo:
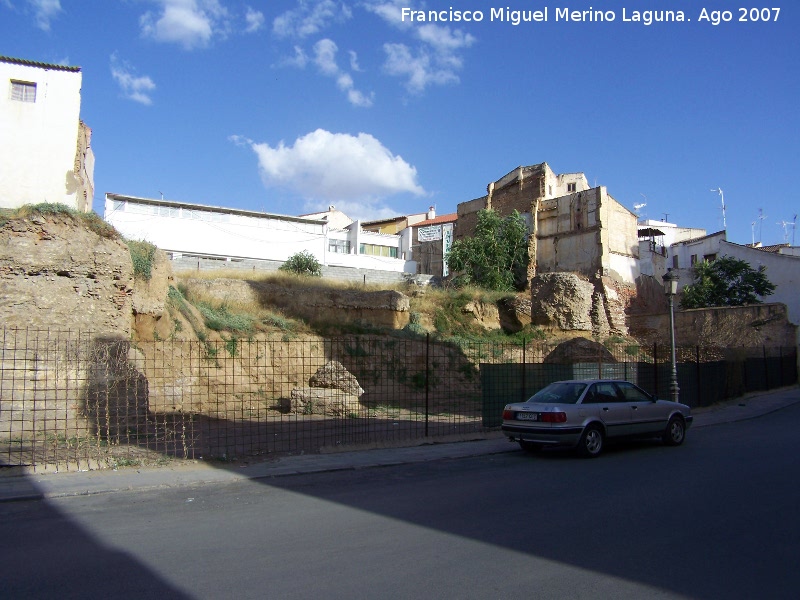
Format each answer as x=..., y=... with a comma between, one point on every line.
x=646, y=413
x=608, y=403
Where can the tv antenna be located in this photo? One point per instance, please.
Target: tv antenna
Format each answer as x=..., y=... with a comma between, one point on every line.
x=638, y=207
x=722, y=197
x=753, y=229
x=785, y=225
x=761, y=218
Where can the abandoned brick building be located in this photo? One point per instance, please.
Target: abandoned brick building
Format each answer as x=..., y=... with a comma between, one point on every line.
x=574, y=228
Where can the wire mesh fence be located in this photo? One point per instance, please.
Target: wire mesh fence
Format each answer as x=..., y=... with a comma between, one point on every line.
x=78, y=400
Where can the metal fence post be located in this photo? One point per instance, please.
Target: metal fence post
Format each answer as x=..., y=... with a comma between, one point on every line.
x=427, y=379
x=524, y=382
x=699, y=374
x=655, y=368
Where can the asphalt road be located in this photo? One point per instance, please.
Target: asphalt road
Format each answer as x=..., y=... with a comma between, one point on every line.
x=714, y=518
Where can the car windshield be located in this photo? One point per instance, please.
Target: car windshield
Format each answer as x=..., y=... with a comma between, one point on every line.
x=564, y=392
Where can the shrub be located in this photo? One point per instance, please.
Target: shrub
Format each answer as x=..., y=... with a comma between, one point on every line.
x=303, y=263
x=142, y=255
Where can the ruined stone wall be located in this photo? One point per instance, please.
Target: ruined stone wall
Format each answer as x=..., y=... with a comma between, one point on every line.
x=729, y=327
x=388, y=309
x=573, y=302
x=57, y=274
x=468, y=217
x=520, y=193
x=569, y=237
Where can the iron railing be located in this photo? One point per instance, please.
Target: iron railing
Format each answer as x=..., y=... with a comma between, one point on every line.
x=79, y=400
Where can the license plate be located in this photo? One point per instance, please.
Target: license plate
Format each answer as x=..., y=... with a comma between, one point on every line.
x=527, y=416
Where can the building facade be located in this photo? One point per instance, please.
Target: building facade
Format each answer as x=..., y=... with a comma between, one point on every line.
x=46, y=154
x=185, y=230
x=574, y=228
x=431, y=241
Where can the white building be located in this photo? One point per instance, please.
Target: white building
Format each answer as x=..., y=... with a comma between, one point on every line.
x=198, y=231
x=46, y=154
x=658, y=241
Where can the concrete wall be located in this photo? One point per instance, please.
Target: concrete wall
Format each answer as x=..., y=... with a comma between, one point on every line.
x=40, y=139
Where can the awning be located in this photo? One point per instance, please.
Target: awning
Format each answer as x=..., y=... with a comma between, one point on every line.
x=650, y=232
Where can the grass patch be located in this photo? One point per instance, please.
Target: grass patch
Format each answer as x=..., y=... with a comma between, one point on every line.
x=142, y=255
x=221, y=318
x=92, y=221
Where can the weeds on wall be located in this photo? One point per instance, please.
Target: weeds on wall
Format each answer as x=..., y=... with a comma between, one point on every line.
x=142, y=255
x=92, y=221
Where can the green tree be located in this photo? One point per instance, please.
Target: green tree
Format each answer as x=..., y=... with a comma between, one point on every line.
x=302, y=263
x=496, y=257
x=726, y=281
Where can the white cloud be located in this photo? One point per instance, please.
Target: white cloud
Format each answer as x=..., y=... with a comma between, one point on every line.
x=299, y=59
x=325, y=58
x=419, y=69
x=255, y=20
x=189, y=23
x=310, y=17
x=390, y=11
x=327, y=167
x=44, y=11
x=435, y=60
x=354, y=61
x=134, y=88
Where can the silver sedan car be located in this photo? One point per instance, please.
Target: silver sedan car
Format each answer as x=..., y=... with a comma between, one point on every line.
x=584, y=414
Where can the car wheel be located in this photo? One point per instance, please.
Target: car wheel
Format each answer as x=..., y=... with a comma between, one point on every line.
x=675, y=432
x=592, y=441
x=529, y=446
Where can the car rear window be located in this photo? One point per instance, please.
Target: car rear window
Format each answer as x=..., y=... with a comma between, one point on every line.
x=559, y=393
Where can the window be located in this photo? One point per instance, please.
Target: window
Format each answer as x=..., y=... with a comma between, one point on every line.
x=693, y=259
x=572, y=187
x=710, y=257
x=675, y=261
x=23, y=91
x=339, y=246
x=633, y=393
x=374, y=250
x=601, y=393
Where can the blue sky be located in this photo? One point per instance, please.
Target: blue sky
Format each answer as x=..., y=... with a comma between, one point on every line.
x=289, y=106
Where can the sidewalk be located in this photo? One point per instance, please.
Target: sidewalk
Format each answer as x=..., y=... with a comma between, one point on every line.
x=31, y=486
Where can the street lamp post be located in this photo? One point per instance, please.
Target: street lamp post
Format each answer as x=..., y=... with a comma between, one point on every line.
x=670, y=279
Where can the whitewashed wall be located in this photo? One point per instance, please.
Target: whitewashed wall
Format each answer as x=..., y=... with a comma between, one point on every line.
x=188, y=229
x=39, y=139
x=782, y=270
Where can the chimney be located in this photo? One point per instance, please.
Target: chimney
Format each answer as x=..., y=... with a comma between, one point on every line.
x=432, y=212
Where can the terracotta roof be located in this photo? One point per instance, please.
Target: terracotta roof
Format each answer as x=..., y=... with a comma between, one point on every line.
x=697, y=239
x=40, y=65
x=774, y=249
x=450, y=218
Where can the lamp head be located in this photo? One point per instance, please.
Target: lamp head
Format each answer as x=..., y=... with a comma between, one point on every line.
x=670, y=280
